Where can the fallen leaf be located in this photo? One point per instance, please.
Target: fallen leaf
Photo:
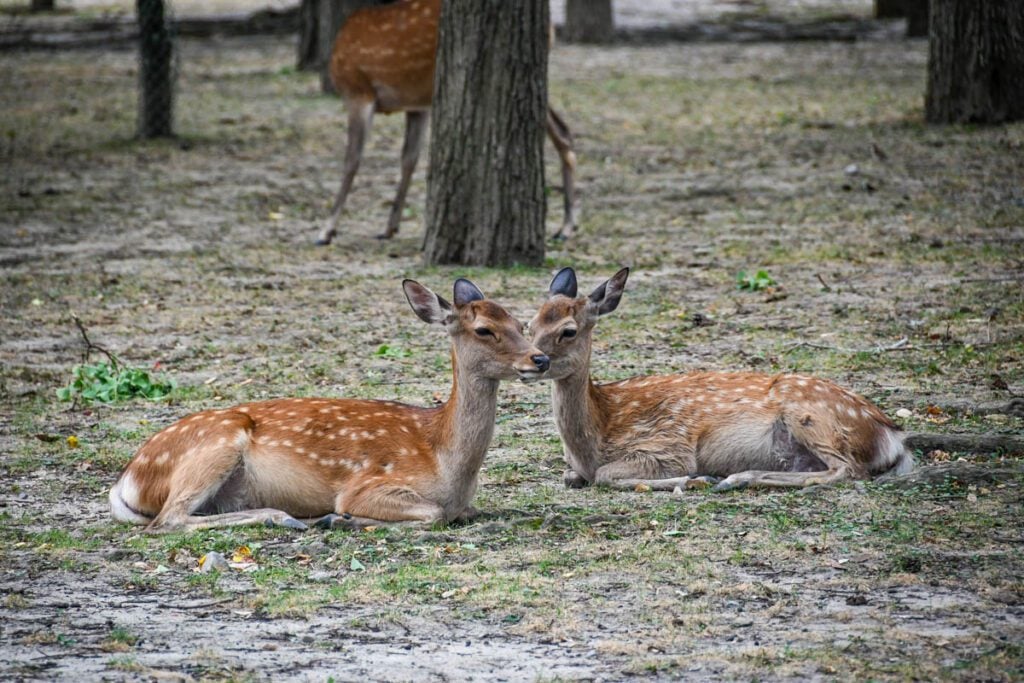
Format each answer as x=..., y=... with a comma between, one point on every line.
x=242, y=554
x=356, y=566
x=73, y=441
x=642, y=488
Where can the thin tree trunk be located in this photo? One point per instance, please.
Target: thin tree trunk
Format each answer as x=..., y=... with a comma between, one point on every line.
x=589, y=21
x=308, y=54
x=156, y=76
x=319, y=23
x=917, y=17
x=42, y=6
x=485, y=187
x=976, y=62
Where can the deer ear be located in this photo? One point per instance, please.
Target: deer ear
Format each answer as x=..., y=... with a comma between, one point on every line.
x=563, y=283
x=607, y=295
x=428, y=306
x=466, y=292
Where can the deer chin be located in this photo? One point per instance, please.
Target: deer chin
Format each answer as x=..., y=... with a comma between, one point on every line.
x=531, y=376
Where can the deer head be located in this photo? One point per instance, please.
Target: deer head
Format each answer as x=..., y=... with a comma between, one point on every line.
x=486, y=339
x=562, y=327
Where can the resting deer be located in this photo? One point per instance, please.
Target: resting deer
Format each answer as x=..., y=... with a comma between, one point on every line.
x=383, y=62
x=347, y=462
x=666, y=431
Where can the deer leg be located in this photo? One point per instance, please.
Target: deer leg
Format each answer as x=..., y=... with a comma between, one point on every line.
x=561, y=138
x=382, y=506
x=767, y=479
x=574, y=480
x=641, y=469
x=196, y=487
x=669, y=484
x=360, y=119
x=415, y=126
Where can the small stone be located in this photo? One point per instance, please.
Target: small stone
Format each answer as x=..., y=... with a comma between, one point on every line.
x=904, y=413
x=213, y=561
x=321, y=576
x=852, y=169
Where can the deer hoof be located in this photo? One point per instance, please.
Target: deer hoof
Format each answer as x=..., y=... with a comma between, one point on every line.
x=726, y=485
x=288, y=523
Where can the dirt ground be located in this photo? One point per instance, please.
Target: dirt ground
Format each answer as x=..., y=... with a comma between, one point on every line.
x=898, y=253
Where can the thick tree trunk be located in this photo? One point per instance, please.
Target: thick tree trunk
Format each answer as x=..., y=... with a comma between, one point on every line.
x=485, y=188
x=156, y=71
x=976, y=62
x=589, y=21
x=319, y=22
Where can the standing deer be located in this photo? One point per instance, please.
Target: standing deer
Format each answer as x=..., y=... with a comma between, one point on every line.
x=347, y=462
x=383, y=61
x=665, y=431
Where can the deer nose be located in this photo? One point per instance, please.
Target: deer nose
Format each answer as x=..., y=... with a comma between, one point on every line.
x=541, y=361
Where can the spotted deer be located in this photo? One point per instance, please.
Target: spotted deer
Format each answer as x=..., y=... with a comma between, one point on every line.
x=337, y=462
x=383, y=62
x=684, y=430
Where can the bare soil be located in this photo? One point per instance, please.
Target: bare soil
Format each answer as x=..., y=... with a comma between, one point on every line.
x=898, y=253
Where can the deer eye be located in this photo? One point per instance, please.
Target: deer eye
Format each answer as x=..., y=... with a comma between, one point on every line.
x=483, y=332
x=568, y=333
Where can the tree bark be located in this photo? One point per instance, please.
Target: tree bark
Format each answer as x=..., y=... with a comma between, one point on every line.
x=42, y=6
x=156, y=73
x=485, y=186
x=589, y=21
x=976, y=62
x=319, y=22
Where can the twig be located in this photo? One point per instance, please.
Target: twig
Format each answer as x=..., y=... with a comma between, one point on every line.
x=824, y=284
x=90, y=346
x=901, y=344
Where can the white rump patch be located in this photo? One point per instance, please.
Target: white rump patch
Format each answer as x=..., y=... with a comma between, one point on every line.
x=891, y=456
x=124, y=496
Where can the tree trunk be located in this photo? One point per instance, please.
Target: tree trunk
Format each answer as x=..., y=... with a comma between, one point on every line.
x=917, y=17
x=42, y=6
x=890, y=9
x=589, y=21
x=976, y=62
x=319, y=22
x=485, y=186
x=308, y=54
x=156, y=74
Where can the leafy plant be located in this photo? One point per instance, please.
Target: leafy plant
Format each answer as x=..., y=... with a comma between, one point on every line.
x=385, y=351
x=757, y=282
x=108, y=382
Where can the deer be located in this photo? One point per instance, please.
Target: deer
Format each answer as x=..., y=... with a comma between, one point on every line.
x=728, y=430
x=382, y=61
x=338, y=462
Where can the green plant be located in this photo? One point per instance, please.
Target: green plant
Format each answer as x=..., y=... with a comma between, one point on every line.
x=108, y=382
x=385, y=351
x=754, y=283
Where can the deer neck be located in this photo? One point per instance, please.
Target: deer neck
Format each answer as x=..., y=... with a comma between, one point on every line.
x=580, y=414
x=465, y=427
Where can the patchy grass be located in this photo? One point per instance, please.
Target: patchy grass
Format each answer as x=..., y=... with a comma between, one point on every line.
x=696, y=162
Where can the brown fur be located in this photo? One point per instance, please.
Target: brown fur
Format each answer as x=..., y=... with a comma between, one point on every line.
x=753, y=429
x=271, y=461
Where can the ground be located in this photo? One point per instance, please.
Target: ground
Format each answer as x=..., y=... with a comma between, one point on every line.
x=897, y=250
